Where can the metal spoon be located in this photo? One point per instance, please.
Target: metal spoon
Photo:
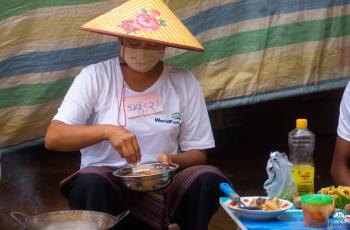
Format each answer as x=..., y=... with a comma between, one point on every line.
x=230, y=192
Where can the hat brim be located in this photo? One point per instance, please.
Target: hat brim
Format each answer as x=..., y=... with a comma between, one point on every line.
x=143, y=39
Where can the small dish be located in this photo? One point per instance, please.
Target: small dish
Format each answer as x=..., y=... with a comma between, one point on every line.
x=257, y=214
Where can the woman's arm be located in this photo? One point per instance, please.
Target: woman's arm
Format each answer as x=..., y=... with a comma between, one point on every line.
x=63, y=137
x=185, y=159
x=340, y=169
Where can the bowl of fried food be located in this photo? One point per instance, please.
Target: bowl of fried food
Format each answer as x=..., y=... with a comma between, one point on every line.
x=340, y=196
x=270, y=207
x=146, y=177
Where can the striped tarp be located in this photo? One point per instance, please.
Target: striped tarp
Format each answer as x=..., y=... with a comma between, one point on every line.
x=256, y=50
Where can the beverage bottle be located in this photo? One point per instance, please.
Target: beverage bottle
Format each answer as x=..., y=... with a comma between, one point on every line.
x=301, y=142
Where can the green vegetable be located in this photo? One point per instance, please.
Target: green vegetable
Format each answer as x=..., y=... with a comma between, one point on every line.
x=341, y=201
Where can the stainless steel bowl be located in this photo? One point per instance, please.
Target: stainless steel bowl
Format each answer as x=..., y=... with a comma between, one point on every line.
x=130, y=178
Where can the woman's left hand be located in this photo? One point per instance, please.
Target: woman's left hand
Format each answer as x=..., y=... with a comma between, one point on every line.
x=165, y=158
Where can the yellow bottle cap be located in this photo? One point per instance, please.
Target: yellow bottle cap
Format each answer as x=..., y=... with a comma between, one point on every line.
x=301, y=123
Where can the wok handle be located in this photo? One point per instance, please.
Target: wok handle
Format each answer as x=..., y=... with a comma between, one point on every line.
x=20, y=218
x=122, y=215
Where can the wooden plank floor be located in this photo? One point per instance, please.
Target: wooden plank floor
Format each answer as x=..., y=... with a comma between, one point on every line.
x=30, y=177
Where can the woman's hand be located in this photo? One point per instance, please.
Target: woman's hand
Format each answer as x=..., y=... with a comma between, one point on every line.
x=165, y=158
x=124, y=142
x=186, y=159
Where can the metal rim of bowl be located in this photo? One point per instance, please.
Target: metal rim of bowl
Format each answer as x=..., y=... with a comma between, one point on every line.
x=171, y=168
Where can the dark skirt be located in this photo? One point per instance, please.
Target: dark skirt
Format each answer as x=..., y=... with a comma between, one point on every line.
x=190, y=200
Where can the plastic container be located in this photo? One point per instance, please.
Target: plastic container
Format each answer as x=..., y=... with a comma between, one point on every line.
x=301, y=142
x=316, y=210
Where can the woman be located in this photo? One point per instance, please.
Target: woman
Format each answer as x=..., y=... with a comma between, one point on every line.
x=137, y=109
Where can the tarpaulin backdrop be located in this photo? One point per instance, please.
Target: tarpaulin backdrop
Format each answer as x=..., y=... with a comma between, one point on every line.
x=256, y=50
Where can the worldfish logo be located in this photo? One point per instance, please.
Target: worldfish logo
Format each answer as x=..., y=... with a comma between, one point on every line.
x=176, y=119
x=176, y=116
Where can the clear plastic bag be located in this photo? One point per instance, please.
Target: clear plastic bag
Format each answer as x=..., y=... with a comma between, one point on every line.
x=280, y=179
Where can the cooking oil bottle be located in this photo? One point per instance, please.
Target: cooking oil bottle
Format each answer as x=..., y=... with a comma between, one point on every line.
x=301, y=142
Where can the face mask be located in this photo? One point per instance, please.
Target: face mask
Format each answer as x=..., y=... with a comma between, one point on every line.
x=141, y=60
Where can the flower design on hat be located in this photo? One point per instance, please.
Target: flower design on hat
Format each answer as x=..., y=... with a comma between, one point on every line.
x=146, y=21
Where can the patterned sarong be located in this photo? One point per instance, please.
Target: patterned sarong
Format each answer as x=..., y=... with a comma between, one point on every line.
x=155, y=208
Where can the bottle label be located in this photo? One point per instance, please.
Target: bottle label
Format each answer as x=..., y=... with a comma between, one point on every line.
x=304, y=178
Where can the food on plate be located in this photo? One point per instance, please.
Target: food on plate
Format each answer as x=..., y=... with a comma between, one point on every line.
x=145, y=172
x=151, y=172
x=268, y=204
x=340, y=195
x=340, y=190
x=341, y=201
x=256, y=214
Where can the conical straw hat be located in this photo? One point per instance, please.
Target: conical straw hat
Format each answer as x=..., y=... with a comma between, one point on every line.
x=149, y=20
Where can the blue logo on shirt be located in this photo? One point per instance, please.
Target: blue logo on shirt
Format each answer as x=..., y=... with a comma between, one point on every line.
x=176, y=119
x=176, y=116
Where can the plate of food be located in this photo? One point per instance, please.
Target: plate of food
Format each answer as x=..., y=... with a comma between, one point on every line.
x=340, y=195
x=270, y=207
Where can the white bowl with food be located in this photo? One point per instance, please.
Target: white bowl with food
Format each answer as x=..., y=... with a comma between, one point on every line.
x=270, y=207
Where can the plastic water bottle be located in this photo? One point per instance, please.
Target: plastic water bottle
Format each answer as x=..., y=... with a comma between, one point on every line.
x=301, y=142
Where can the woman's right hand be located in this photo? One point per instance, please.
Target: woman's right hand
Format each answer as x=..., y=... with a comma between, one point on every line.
x=124, y=142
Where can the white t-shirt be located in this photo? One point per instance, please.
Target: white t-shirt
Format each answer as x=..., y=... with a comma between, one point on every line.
x=94, y=98
x=344, y=115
